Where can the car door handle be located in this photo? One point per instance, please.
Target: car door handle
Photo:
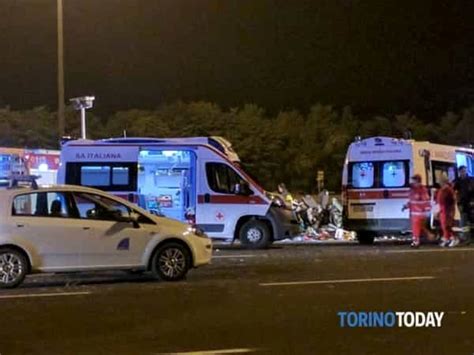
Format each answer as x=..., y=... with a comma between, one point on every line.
x=20, y=225
x=86, y=228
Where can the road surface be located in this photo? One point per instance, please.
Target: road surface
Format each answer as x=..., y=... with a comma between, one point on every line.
x=283, y=300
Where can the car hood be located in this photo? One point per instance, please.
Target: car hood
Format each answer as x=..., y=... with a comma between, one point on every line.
x=171, y=224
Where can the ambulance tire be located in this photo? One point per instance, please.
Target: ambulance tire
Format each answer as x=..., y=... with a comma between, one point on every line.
x=365, y=238
x=255, y=234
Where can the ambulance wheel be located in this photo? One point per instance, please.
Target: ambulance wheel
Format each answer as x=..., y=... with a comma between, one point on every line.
x=365, y=238
x=255, y=234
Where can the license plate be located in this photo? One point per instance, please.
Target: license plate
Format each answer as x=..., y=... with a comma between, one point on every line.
x=363, y=208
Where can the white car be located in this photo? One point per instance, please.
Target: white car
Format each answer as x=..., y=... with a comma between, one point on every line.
x=73, y=228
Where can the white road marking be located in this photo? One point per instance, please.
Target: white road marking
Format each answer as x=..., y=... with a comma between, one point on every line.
x=322, y=282
x=440, y=250
x=235, y=256
x=56, y=294
x=457, y=312
x=218, y=351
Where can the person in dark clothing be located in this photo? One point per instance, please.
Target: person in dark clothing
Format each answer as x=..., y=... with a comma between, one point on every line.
x=464, y=187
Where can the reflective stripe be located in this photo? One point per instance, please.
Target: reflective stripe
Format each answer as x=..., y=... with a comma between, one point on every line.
x=417, y=202
x=426, y=214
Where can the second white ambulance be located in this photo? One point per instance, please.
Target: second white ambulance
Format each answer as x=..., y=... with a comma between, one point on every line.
x=376, y=179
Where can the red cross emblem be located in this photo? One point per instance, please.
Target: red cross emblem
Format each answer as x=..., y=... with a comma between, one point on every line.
x=219, y=216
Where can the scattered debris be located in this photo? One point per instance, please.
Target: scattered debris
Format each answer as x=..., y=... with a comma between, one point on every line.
x=320, y=219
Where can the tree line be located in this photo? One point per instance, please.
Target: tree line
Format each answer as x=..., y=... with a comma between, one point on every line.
x=287, y=147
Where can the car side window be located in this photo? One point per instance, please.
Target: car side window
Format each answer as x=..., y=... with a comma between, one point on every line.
x=91, y=206
x=42, y=204
x=222, y=178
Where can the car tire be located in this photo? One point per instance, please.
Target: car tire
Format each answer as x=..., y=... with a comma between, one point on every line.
x=255, y=234
x=365, y=238
x=171, y=262
x=13, y=268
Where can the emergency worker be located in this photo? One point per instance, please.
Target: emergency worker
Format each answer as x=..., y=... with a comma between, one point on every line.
x=446, y=200
x=420, y=207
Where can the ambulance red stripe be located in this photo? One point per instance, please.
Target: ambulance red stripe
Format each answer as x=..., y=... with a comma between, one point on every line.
x=233, y=199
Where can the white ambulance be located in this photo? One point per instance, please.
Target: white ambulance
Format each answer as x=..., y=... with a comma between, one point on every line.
x=39, y=162
x=376, y=177
x=180, y=179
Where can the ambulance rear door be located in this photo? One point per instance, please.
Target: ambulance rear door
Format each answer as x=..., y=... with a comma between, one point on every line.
x=378, y=175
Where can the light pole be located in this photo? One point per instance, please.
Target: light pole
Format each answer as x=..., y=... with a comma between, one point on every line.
x=61, y=120
x=82, y=104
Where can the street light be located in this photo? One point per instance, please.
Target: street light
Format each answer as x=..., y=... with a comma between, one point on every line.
x=61, y=120
x=82, y=104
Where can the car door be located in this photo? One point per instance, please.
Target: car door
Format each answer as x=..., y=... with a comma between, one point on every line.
x=112, y=242
x=219, y=205
x=44, y=222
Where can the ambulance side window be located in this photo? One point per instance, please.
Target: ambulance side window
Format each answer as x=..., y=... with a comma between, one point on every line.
x=362, y=175
x=440, y=169
x=107, y=176
x=221, y=178
x=467, y=160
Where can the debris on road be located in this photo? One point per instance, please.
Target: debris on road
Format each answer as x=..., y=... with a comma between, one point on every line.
x=320, y=219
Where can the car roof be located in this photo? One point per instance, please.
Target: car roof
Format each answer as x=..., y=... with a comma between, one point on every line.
x=41, y=188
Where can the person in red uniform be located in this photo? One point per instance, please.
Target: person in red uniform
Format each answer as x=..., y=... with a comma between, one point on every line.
x=446, y=200
x=420, y=207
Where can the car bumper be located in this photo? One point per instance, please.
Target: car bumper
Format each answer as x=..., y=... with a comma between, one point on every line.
x=202, y=251
x=379, y=226
x=284, y=223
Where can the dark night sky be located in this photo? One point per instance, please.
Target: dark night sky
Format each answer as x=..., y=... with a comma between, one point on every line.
x=378, y=56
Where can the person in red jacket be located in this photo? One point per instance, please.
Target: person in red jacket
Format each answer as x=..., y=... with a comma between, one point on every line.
x=446, y=200
x=420, y=207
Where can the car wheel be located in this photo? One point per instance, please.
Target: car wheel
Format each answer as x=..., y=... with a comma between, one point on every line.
x=255, y=234
x=171, y=262
x=366, y=238
x=13, y=268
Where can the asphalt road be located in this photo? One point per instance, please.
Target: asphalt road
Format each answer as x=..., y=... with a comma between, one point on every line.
x=278, y=301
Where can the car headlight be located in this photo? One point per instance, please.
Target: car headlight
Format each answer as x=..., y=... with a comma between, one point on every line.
x=198, y=232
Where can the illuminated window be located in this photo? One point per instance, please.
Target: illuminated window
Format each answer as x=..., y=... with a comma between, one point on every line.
x=467, y=160
x=95, y=175
x=363, y=175
x=120, y=175
x=393, y=174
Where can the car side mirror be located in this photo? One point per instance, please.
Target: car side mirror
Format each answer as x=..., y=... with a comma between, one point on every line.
x=132, y=218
